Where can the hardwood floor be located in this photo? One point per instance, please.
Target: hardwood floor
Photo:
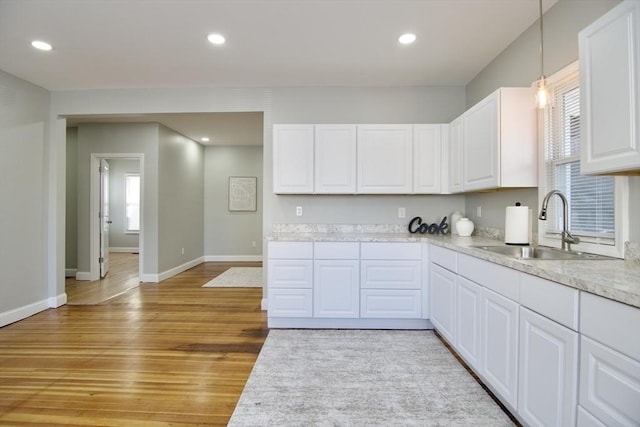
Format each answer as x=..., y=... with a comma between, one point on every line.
x=170, y=353
x=122, y=276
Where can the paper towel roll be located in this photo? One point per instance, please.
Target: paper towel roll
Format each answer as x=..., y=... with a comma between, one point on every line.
x=516, y=228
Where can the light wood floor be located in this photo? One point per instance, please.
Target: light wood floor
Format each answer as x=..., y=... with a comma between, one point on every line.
x=170, y=353
x=122, y=276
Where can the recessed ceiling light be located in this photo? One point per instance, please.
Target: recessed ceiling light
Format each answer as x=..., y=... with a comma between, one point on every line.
x=204, y=139
x=39, y=44
x=407, y=38
x=216, y=38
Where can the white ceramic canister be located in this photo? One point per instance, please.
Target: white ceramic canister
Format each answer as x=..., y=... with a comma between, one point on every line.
x=455, y=217
x=464, y=227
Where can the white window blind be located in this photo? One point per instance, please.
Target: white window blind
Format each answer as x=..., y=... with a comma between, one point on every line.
x=591, y=199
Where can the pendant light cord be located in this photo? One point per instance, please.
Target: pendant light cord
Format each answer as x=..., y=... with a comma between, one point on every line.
x=541, y=43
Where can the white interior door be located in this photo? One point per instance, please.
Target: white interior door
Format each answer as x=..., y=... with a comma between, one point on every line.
x=104, y=217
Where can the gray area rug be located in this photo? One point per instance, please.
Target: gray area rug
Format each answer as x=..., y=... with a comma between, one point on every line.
x=361, y=378
x=237, y=277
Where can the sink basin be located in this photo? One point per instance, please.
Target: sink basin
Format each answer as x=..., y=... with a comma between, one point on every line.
x=541, y=253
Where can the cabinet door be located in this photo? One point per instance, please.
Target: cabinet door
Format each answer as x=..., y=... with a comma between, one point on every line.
x=335, y=159
x=609, y=384
x=427, y=158
x=468, y=328
x=391, y=303
x=442, y=296
x=293, y=159
x=609, y=93
x=290, y=273
x=456, y=135
x=481, y=145
x=336, y=288
x=290, y=303
x=499, y=345
x=393, y=274
x=548, y=368
x=385, y=154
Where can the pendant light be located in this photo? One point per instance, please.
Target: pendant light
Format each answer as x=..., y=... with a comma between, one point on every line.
x=542, y=87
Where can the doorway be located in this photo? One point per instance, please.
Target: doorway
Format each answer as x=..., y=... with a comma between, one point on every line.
x=111, y=213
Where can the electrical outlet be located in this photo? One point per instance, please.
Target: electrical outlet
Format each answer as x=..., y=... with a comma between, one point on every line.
x=253, y=244
x=402, y=212
x=298, y=210
x=479, y=211
x=182, y=251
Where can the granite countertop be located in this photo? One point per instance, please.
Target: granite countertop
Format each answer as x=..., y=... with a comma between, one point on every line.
x=618, y=280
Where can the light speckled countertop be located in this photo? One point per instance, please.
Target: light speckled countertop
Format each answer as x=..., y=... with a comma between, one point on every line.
x=614, y=279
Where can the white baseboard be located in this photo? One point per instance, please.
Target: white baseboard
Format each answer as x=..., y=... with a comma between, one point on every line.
x=58, y=300
x=23, y=312
x=83, y=275
x=70, y=272
x=124, y=249
x=155, y=278
x=232, y=258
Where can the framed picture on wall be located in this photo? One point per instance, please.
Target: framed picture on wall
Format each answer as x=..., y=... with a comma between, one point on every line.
x=243, y=193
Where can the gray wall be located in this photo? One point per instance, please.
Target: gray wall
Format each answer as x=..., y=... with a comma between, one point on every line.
x=518, y=65
x=118, y=168
x=230, y=234
x=24, y=110
x=110, y=138
x=360, y=105
x=180, y=200
x=71, y=220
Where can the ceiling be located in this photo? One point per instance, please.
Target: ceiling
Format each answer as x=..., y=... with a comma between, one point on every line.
x=108, y=44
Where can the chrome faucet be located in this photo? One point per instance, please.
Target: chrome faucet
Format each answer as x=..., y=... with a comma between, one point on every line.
x=567, y=238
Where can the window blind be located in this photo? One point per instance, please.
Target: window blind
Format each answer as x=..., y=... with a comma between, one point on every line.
x=591, y=199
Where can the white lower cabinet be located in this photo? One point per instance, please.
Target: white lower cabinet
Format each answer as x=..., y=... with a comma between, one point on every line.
x=468, y=327
x=499, y=360
x=442, y=295
x=290, y=287
x=336, y=280
x=609, y=384
x=347, y=285
x=548, y=371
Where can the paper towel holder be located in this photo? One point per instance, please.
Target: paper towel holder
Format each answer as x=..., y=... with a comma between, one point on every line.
x=518, y=225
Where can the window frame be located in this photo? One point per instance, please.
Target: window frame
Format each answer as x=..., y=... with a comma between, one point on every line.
x=127, y=230
x=610, y=247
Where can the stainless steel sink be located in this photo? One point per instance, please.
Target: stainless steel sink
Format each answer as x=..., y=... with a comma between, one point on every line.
x=541, y=253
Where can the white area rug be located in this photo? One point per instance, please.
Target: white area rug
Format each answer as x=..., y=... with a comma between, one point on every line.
x=237, y=277
x=361, y=378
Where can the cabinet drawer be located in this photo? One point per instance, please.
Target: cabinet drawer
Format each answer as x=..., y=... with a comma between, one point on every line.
x=391, y=274
x=609, y=384
x=444, y=257
x=290, y=303
x=290, y=273
x=391, y=251
x=502, y=280
x=290, y=250
x=552, y=300
x=611, y=323
x=335, y=250
x=390, y=303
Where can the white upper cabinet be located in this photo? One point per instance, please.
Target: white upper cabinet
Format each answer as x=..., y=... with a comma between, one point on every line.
x=293, y=159
x=499, y=141
x=427, y=158
x=609, y=93
x=335, y=159
x=454, y=147
x=385, y=159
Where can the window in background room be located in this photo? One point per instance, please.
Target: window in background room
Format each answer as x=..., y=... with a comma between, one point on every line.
x=132, y=203
x=593, y=200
